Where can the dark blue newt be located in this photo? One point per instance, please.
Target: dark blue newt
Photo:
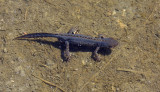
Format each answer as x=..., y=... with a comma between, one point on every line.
x=72, y=38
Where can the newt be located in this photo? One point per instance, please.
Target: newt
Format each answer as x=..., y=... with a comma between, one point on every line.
x=73, y=38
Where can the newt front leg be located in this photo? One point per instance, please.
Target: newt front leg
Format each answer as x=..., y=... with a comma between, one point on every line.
x=66, y=51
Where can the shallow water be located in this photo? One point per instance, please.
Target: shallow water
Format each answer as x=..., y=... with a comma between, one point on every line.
x=132, y=66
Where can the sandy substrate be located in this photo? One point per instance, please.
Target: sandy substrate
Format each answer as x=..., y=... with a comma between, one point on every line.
x=37, y=66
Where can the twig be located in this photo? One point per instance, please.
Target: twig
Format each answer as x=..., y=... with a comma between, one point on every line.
x=43, y=65
x=48, y=1
x=49, y=83
x=2, y=30
x=25, y=15
x=133, y=71
x=155, y=7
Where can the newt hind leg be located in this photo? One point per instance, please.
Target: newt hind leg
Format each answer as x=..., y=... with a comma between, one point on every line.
x=73, y=30
x=95, y=54
x=66, y=51
x=100, y=36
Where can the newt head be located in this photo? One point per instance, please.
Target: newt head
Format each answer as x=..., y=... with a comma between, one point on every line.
x=111, y=42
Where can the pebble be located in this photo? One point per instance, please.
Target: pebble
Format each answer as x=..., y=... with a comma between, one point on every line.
x=5, y=50
x=19, y=70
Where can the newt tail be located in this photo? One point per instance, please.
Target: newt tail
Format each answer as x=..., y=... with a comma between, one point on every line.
x=36, y=35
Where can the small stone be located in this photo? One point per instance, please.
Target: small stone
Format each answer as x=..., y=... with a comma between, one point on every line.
x=83, y=62
x=20, y=70
x=49, y=62
x=76, y=69
x=12, y=81
x=68, y=75
x=5, y=50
